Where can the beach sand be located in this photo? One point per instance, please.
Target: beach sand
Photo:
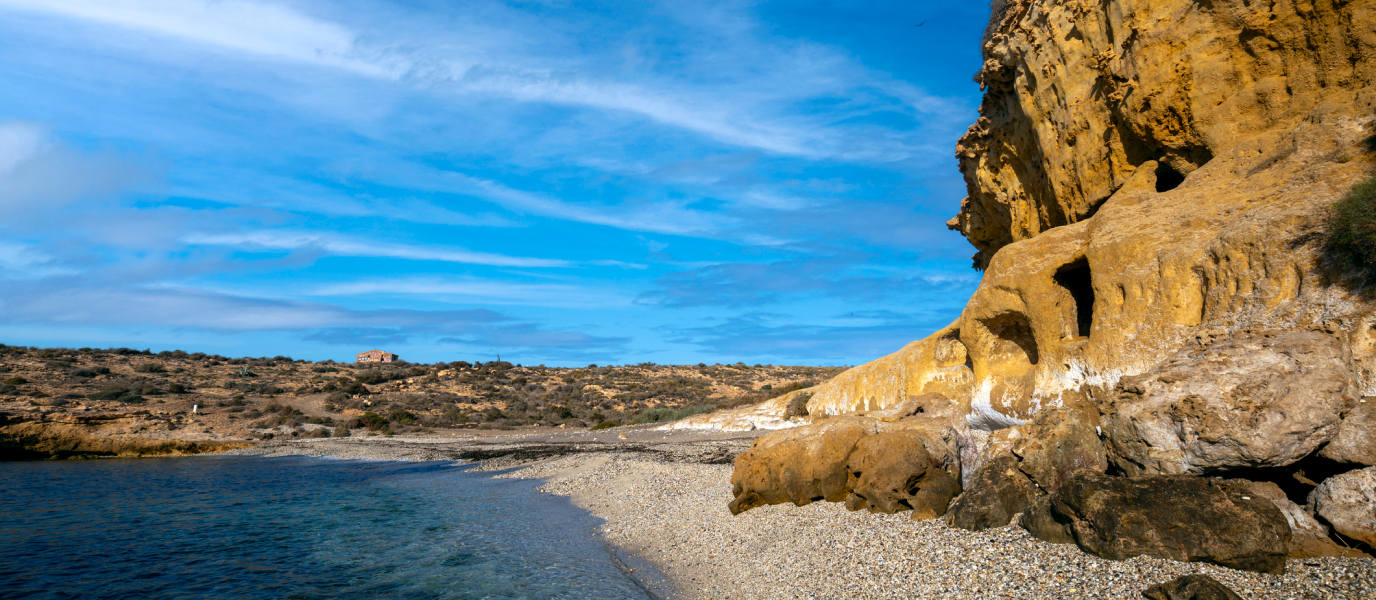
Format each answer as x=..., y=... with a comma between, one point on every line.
x=664, y=499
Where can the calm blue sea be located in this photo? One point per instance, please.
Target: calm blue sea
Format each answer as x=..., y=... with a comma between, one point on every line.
x=250, y=527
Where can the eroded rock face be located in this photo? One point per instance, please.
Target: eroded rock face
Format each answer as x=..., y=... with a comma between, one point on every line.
x=1191, y=587
x=1255, y=399
x=1348, y=503
x=1189, y=519
x=1356, y=439
x=1079, y=95
x=893, y=471
x=799, y=465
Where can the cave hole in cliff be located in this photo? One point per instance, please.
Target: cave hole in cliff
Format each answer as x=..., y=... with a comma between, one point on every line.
x=1014, y=333
x=1167, y=178
x=1075, y=278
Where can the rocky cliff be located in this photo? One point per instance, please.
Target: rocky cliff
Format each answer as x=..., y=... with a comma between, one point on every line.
x=1148, y=185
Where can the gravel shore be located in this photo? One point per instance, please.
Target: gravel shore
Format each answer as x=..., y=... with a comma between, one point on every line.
x=664, y=501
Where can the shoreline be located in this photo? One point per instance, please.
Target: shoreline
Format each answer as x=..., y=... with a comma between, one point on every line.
x=662, y=498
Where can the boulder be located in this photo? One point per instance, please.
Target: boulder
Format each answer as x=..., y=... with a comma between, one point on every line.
x=1347, y=502
x=799, y=465
x=1056, y=445
x=1181, y=518
x=893, y=471
x=1190, y=587
x=998, y=491
x=1253, y=399
x=1356, y=439
x=1308, y=537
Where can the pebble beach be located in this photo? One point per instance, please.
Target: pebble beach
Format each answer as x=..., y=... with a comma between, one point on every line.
x=663, y=499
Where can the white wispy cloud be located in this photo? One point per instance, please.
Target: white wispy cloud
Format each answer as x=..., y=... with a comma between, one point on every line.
x=345, y=246
x=473, y=289
x=37, y=173
x=254, y=27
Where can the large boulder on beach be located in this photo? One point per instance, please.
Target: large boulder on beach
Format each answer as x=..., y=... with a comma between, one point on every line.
x=1057, y=445
x=1347, y=502
x=799, y=465
x=893, y=471
x=1254, y=399
x=997, y=493
x=1356, y=439
x=1191, y=519
x=1190, y=587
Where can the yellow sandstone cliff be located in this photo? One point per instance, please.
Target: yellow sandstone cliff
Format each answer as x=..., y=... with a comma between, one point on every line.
x=1145, y=175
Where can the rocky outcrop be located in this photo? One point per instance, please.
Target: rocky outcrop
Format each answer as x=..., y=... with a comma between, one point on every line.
x=1347, y=502
x=1190, y=587
x=1253, y=399
x=1181, y=518
x=1078, y=97
x=1148, y=186
x=103, y=435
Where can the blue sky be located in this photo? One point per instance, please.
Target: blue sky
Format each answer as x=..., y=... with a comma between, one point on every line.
x=557, y=182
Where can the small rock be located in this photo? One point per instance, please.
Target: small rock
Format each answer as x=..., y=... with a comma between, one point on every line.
x=1191, y=587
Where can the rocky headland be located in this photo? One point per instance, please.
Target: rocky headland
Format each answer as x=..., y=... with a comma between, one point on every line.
x=1164, y=358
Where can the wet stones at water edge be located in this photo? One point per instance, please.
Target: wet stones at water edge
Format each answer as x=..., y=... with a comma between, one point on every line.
x=1190, y=587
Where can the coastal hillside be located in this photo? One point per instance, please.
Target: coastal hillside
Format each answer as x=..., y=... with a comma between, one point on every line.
x=1155, y=191
x=73, y=402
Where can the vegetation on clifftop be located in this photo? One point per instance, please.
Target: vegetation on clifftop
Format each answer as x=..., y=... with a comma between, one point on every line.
x=268, y=397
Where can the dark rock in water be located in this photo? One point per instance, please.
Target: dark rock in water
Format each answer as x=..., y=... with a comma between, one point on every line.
x=1189, y=519
x=997, y=493
x=799, y=465
x=1190, y=587
x=893, y=471
x=1044, y=525
x=1356, y=439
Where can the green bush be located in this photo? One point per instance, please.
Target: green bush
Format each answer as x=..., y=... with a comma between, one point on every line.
x=16, y=381
x=373, y=421
x=151, y=367
x=1352, y=226
x=605, y=425
x=401, y=415
x=660, y=414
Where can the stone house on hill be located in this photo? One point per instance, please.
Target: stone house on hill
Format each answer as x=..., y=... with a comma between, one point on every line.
x=374, y=356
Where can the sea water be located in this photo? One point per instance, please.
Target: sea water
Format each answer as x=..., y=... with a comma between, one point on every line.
x=252, y=527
